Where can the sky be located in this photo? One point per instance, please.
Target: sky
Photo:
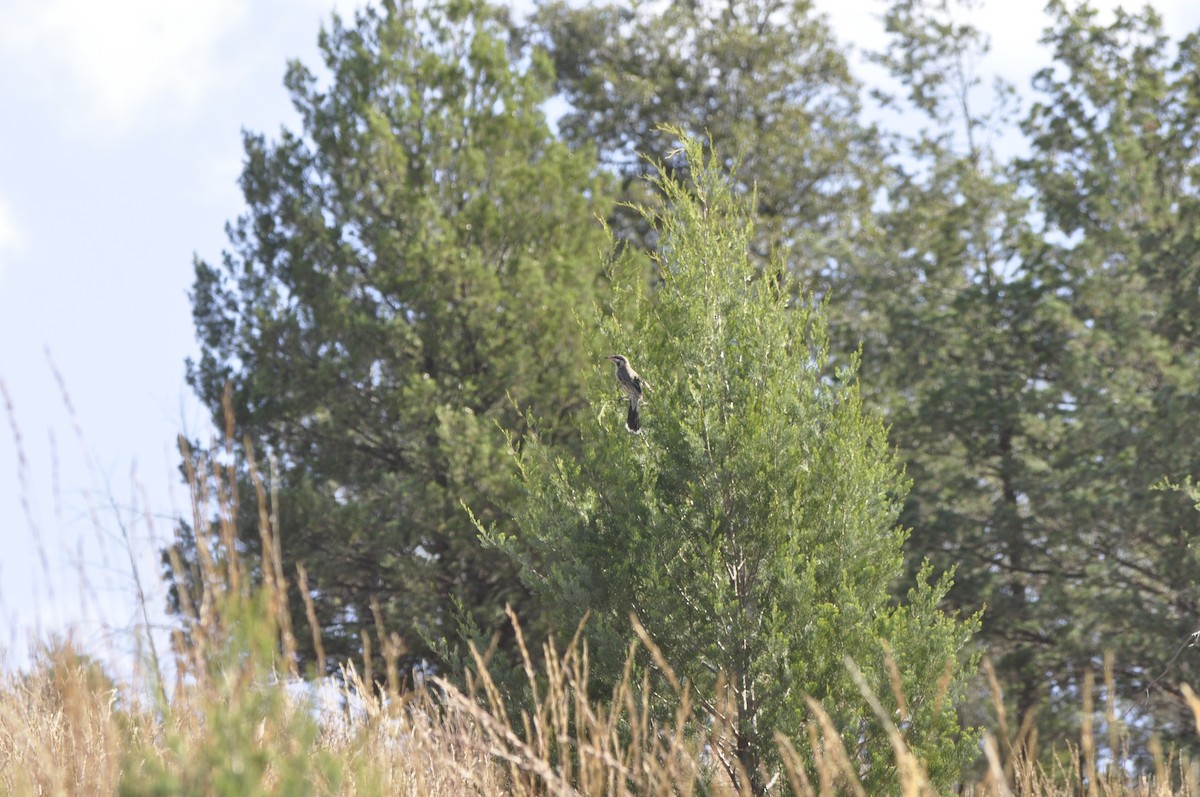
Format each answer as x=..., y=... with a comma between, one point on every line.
x=120, y=149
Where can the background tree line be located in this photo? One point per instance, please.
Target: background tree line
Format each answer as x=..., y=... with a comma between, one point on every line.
x=402, y=302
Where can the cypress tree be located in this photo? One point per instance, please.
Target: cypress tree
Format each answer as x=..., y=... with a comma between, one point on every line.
x=752, y=525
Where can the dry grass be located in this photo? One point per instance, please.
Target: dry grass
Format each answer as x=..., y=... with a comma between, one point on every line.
x=234, y=723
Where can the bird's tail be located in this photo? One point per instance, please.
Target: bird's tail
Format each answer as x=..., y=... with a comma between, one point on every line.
x=632, y=422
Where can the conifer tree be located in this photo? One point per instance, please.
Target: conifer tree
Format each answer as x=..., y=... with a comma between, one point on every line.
x=1030, y=338
x=1114, y=167
x=964, y=338
x=752, y=525
x=404, y=282
x=765, y=80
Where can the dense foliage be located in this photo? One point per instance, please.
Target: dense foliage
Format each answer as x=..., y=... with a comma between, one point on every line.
x=764, y=80
x=418, y=274
x=1113, y=172
x=403, y=286
x=752, y=525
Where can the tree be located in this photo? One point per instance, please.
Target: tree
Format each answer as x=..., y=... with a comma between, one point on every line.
x=404, y=283
x=764, y=80
x=1046, y=304
x=1114, y=168
x=752, y=525
x=964, y=340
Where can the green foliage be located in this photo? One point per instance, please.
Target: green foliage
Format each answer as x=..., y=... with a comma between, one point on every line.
x=403, y=284
x=765, y=81
x=1114, y=169
x=1028, y=335
x=752, y=526
x=407, y=279
x=964, y=338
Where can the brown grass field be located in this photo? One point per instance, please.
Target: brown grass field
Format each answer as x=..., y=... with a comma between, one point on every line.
x=226, y=722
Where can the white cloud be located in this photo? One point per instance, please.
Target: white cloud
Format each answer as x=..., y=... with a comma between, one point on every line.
x=345, y=8
x=219, y=178
x=12, y=238
x=114, y=63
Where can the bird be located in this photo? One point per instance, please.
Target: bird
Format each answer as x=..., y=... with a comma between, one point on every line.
x=632, y=385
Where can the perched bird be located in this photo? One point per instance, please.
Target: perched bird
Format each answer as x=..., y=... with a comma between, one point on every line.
x=632, y=386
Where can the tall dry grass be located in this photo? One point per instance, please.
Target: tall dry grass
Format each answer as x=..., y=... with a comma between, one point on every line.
x=236, y=718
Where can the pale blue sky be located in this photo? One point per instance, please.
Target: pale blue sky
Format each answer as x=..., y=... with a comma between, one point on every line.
x=120, y=148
